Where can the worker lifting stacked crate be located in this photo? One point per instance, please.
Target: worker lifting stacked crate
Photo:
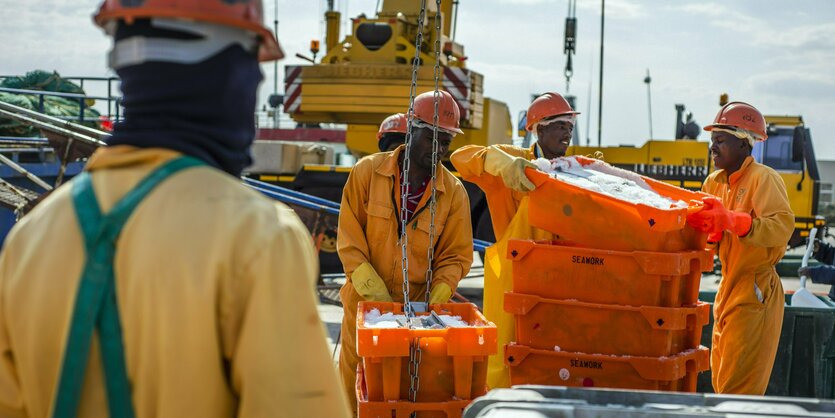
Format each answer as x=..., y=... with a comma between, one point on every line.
x=433, y=365
x=613, y=303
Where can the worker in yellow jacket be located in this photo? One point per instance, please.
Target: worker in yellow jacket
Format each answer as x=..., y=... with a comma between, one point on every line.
x=749, y=222
x=368, y=239
x=392, y=132
x=154, y=284
x=499, y=170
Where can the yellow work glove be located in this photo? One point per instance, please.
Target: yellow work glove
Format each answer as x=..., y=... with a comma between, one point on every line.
x=369, y=284
x=511, y=169
x=440, y=293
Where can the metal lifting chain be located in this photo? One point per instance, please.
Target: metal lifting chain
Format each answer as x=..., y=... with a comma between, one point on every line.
x=404, y=179
x=430, y=252
x=414, y=368
x=414, y=349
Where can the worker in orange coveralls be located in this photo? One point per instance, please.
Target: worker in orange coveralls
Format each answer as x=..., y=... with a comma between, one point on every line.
x=392, y=132
x=499, y=170
x=368, y=239
x=749, y=222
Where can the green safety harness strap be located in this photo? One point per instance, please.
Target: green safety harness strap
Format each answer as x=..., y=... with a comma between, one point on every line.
x=95, y=303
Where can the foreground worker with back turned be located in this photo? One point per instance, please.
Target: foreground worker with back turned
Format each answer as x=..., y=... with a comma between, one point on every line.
x=499, y=170
x=749, y=221
x=154, y=284
x=368, y=240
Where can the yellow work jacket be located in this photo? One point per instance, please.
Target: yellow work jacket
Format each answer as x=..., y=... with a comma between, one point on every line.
x=369, y=220
x=758, y=190
x=509, y=214
x=502, y=201
x=214, y=288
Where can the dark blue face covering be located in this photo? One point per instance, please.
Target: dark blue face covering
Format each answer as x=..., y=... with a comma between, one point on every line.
x=205, y=110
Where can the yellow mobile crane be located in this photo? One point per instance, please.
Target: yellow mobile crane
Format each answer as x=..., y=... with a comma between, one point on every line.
x=366, y=77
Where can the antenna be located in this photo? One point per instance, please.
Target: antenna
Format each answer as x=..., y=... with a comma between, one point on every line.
x=588, y=102
x=600, y=92
x=648, y=81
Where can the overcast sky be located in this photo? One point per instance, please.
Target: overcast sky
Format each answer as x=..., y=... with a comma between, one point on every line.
x=777, y=55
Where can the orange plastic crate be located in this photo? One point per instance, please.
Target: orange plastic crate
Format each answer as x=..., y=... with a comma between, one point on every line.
x=403, y=409
x=605, y=329
x=561, y=368
x=559, y=270
x=453, y=360
x=597, y=220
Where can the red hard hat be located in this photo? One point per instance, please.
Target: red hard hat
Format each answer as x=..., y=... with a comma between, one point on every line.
x=394, y=123
x=546, y=106
x=243, y=14
x=742, y=116
x=449, y=116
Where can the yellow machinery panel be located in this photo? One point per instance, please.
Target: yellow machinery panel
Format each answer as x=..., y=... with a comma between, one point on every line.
x=368, y=93
x=367, y=76
x=799, y=196
x=615, y=155
x=362, y=139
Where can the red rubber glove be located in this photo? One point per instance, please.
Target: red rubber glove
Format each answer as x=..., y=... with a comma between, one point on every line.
x=714, y=238
x=714, y=219
x=741, y=224
x=705, y=219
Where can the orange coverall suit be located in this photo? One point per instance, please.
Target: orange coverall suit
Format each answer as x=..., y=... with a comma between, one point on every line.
x=369, y=233
x=509, y=215
x=748, y=311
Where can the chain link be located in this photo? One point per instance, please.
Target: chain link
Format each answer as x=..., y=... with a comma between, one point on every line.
x=430, y=252
x=404, y=180
x=415, y=353
x=414, y=367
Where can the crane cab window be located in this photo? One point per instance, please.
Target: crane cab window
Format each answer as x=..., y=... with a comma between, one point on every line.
x=776, y=152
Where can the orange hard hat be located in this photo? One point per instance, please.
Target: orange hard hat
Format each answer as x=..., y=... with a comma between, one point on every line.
x=394, y=123
x=546, y=106
x=449, y=116
x=740, y=115
x=244, y=14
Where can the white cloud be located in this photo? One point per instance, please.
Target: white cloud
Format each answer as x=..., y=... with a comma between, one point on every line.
x=724, y=17
x=793, y=84
x=616, y=9
x=525, y=2
x=802, y=38
x=766, y=33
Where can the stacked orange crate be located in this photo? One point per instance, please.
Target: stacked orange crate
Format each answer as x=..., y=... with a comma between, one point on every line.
x=452, y=366
x=620, y=309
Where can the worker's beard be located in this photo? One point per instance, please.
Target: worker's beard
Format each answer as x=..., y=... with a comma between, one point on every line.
x=205, y=110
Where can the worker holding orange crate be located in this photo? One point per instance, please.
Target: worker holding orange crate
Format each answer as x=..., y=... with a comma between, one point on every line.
x=499, y=170
x=368, y=240
x=749, y=222
x=154, y=284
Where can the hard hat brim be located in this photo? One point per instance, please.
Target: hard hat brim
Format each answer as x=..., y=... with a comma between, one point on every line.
x=269, y=49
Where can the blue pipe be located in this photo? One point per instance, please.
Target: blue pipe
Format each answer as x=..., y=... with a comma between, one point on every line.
x=316, y=203
x=293, y=200
x=289, y=192
x=481, y=243
x=24, y=140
